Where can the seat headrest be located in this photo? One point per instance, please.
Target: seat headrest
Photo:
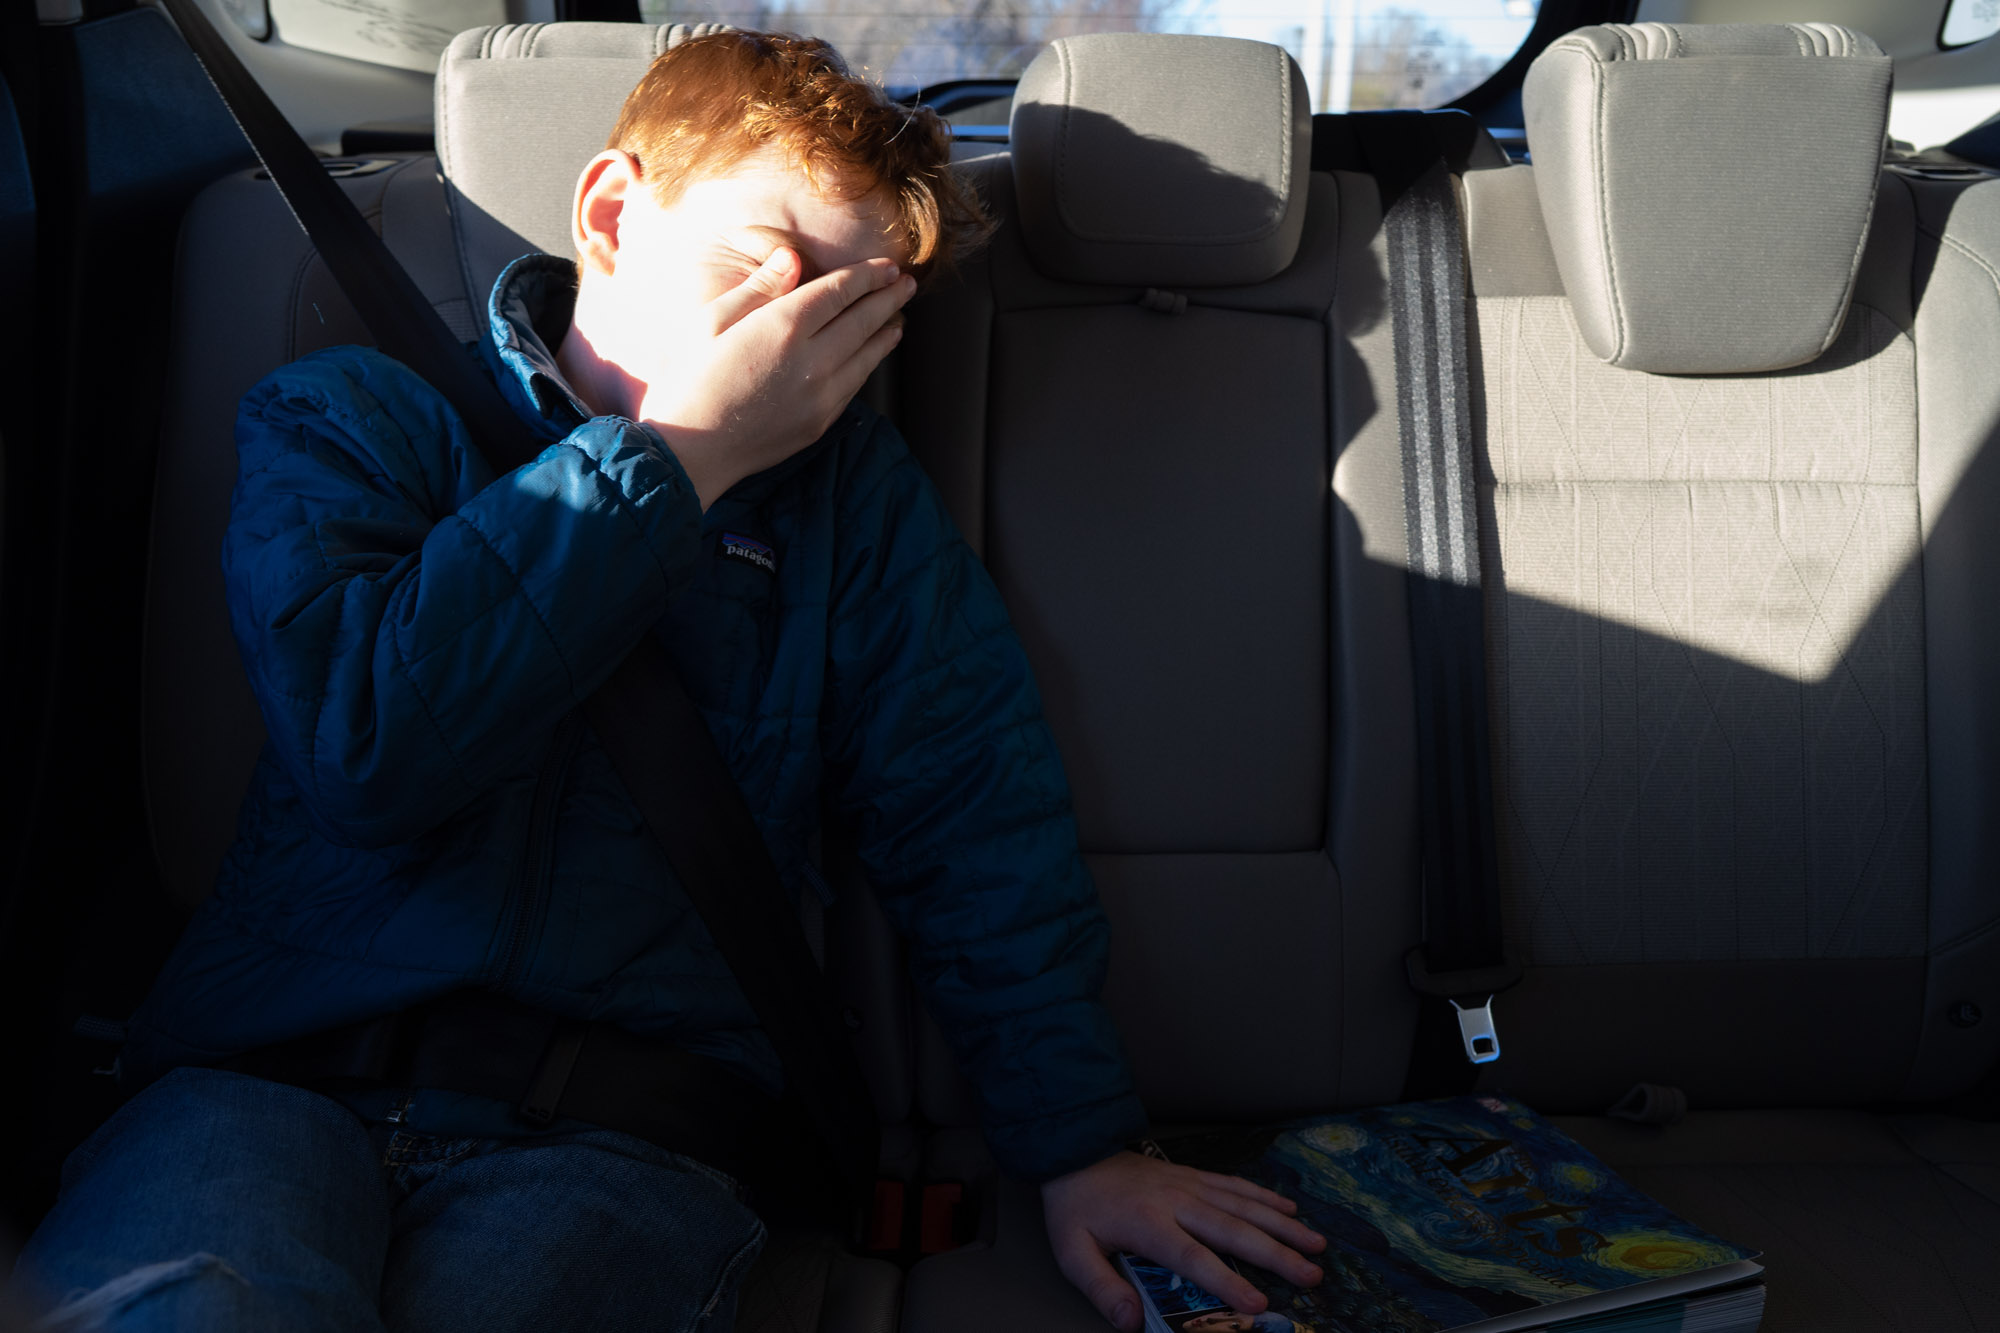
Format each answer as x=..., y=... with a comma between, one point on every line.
x=1149, y=159
x=520, y=109
x=1708, y=188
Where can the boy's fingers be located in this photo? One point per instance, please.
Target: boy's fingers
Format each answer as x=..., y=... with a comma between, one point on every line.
x=1235, y=1236
x=1186, y=1255
x=854, y=326
x=1085, y=1265
x=846, y=379
x=827, y=297
x=1249, y=1190
x=772, y=279
x=1267, y=1219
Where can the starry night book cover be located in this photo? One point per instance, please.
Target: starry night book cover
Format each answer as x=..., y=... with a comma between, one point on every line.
x=1469, y=1213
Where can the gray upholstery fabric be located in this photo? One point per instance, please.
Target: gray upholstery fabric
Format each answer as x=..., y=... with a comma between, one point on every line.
x=1867, y=1224
x=1210, y=741
x=1955, y=280
x=1199, y=939
x=1192, y=932
x=1151, y=492
x=1742, y=661
x=1705, y=616
x=1506, y=245
x=861, y=1296
x=1779, y=1032
x=805, y=1282
x=1709, y=718
x=1708, y=189
x=1107, y=561
x=1007, y=1284
x=520, y=109
x=942, y=388
x=251, y=294
x=942, y=409
x=864, y=962
x=1125, y=178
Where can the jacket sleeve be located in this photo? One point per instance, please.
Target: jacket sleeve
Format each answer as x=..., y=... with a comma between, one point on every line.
x=951, y=780
x=412, y=626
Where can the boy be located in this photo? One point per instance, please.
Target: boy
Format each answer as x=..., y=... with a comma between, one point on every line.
x=431, y=821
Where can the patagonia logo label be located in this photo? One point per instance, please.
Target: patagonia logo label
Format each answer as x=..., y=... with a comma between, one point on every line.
x=750, y=551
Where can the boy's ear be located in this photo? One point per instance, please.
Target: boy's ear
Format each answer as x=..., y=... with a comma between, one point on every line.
x=601, y=191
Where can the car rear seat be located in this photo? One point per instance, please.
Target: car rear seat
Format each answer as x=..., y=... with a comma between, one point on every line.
x=1744, y=665
x=1742, y=678
x=1224, y=651
x=520, y=109
x=1136, y=403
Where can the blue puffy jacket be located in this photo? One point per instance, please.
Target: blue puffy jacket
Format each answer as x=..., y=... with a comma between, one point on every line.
x=430, y=814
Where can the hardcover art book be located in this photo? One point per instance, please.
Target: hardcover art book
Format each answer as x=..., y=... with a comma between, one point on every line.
x=1471, y=1214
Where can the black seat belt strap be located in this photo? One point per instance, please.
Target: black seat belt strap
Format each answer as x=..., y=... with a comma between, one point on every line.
x=1462, y=961
x=649, y=727
x=382, y=292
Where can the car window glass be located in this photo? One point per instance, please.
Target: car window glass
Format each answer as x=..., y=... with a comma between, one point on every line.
x=1356, y=54
x=408, y=34
x=1968, y=21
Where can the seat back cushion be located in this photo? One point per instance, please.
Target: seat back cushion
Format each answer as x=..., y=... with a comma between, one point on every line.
x=1721, y=611
x=250, y=295
x=1145, y=465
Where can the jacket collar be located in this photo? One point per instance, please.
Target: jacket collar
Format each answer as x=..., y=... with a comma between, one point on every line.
x=527, y=315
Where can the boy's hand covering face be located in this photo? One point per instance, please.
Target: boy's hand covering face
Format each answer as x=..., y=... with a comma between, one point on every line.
x=738, y=320
x=1177, y=1216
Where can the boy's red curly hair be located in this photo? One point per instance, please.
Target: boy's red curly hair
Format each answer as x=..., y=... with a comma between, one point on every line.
x=714, y=100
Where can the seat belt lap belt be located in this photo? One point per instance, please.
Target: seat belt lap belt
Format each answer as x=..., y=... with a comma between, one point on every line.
x=647, y=724
x=1462, y=963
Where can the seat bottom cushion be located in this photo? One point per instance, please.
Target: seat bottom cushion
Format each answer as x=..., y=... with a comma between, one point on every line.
x=804, y=1282
x=1006, y=1286
x=1868, y=1224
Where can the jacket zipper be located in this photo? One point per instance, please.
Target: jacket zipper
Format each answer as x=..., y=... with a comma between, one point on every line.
x=531, y=884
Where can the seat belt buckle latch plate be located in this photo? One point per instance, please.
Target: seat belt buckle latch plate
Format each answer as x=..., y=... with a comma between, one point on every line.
x=1476, y=1030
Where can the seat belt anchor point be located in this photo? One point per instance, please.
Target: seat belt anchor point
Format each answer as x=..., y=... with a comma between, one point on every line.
x=1476, y=1030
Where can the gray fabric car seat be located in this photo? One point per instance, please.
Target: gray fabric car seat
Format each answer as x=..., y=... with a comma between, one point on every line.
x=1737, y=426
x=520, y=109
x=1136, y=402
x=1736, y=464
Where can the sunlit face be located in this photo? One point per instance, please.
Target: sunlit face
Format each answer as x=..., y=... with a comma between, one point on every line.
x=719, y=229
x=650, y=271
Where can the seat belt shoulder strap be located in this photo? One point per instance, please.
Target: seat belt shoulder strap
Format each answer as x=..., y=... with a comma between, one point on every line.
x=1462, y=960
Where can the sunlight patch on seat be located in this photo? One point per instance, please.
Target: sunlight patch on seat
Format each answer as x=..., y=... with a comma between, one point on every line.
x=1763, y=518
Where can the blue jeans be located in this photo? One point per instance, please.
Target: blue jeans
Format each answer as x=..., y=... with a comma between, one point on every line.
x=219, y=1202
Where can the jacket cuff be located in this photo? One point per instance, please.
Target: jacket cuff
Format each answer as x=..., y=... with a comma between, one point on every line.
x=1050, y=1146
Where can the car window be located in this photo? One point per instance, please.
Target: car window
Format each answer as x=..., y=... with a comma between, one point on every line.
x=1356, y=54
x=406, y=34
x=1967, y=21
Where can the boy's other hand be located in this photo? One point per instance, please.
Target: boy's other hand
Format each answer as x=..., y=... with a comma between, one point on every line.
x=769, y=364
x=1176, y=1216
